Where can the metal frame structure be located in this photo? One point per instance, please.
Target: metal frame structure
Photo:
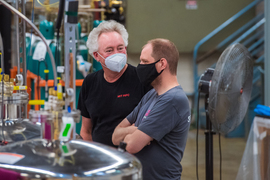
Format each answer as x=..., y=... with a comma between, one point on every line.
x=267, y=54
x=70, y=45
x=245, y=35
x=210, y=35
x=20, y=46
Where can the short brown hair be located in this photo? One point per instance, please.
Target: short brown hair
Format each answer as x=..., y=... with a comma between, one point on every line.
x=164, y=48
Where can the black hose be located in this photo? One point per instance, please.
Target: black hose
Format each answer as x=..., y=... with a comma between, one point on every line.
x=197, y=136
x=60, y=14
x=57, y=27
x=2, y=108
x=220, y=157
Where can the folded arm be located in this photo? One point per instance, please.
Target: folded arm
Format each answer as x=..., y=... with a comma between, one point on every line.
x=137, y=141
x=123, y=129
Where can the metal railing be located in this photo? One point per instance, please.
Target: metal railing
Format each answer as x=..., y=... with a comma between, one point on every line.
x=246, y=34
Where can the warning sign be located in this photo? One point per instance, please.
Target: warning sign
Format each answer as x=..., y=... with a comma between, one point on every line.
x=191, y=4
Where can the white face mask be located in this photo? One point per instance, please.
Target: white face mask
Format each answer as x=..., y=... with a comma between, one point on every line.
x=115, y=62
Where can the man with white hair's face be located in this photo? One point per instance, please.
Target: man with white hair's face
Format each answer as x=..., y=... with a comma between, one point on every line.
x=111, y=43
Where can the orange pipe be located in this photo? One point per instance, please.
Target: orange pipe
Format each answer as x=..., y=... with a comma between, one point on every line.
x=71, y=73
x=29, y=90
x=42, y=83
x=13, y=72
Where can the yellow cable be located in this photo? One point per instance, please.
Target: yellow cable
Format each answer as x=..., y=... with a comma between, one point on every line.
x=20, y=88
x=49, y=5
x=36, y=102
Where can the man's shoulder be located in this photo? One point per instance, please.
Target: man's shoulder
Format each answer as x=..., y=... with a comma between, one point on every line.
x=131, y=66
x=176, y=97
x=179, y=101
x=177, y=93
x=131, y=70
x=93, y=76
x=149, y=94
x=130, y=75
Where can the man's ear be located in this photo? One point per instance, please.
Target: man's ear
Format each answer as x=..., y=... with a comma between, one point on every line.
x=164, y=63
x=96, y=56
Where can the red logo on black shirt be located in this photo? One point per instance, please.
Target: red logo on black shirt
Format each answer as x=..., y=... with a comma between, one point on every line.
x=123, y=95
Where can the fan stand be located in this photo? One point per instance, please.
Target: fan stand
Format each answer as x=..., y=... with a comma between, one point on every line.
x=204, y=85
x=209, y=173
x=213, y=81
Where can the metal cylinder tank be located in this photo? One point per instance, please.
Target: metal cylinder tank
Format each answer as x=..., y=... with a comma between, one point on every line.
x=73, y=160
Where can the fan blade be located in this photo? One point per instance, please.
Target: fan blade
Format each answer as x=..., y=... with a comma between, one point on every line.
x=230, y=89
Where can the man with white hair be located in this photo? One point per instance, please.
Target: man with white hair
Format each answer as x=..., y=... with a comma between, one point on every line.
x=110, y=94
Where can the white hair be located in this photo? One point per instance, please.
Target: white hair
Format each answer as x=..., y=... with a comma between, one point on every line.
x=105, y=26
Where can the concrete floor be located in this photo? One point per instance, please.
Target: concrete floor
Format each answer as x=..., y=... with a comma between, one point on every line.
x=232, y=150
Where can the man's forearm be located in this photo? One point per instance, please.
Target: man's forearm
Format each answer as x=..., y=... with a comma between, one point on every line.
x=86, y=129
x=86, y=134
x=131, y=147
x=136, y=141
x=120, y=133
x=128, y=140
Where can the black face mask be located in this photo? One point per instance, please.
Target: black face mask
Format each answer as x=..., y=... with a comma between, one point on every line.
x=147, y=73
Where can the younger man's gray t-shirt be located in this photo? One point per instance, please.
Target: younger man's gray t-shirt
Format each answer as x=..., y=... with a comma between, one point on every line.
x=165, y=118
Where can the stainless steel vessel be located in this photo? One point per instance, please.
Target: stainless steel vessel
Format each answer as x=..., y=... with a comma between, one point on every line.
x=73, y=160
x=12, y=126
x=15, y=131
x=13, y=106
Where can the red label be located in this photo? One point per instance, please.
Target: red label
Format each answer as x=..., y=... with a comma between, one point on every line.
x=123, y=95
